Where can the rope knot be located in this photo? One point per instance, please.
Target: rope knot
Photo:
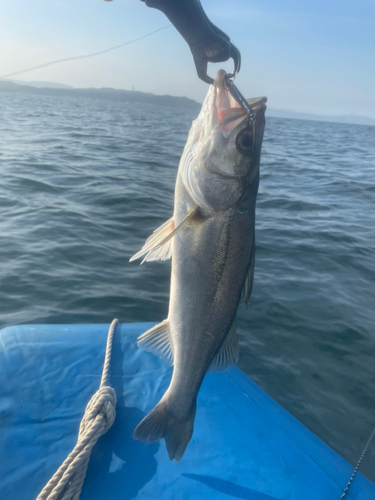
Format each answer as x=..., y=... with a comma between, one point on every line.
x=100, y=413
x=102, y=404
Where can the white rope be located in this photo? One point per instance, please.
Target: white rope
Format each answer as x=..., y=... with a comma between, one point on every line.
x=100, y=413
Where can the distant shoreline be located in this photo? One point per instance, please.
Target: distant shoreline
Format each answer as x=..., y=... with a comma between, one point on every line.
x=38, y=88
x=103, y=93
x=293, y=115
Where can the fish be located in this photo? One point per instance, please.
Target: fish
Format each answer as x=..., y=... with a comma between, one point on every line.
x=210, y=238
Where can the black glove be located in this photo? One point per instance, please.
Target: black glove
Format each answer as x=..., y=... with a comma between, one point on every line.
x=207, y=43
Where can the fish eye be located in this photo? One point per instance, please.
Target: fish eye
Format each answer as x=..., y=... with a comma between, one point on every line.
x=244, y=142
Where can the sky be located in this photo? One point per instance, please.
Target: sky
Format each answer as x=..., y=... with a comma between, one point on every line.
x=306, y=56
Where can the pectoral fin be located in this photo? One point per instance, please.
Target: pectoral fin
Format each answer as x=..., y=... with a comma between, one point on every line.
x=159, y=245
x=228, y=353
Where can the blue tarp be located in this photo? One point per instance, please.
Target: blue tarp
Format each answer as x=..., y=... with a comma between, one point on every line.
x=244, y=444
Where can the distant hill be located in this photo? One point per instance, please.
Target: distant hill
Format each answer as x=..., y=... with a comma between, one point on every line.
x=41, y=85
x=103, y=93
x=356, y=120
x=57, y=89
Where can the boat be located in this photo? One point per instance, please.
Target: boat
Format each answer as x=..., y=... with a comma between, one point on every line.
x=244, y=446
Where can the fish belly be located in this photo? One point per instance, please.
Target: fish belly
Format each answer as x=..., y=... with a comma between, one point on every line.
x=209, y=267
x=210, y=262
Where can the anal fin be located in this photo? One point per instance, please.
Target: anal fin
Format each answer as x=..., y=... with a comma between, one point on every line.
x=228, y=353
x=157, y=341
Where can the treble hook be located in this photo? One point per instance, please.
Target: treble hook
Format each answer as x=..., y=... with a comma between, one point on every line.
x=239, y=98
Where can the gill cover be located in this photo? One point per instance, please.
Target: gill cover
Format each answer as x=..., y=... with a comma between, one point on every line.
x=218, y=151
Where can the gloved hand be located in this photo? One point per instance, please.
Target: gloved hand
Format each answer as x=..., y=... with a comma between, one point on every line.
x=206, y=41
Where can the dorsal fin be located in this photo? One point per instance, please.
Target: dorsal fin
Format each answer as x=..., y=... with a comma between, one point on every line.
x=228, y=353
x=248, y=285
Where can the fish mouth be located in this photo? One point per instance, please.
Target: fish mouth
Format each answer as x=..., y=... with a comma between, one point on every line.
x=231, y=113
x=257, y=103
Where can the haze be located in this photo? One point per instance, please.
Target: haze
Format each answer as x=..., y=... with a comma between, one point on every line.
x=312, y=57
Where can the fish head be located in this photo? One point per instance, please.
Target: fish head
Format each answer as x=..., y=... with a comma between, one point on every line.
x=220, y=163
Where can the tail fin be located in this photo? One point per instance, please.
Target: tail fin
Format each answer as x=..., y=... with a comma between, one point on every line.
x=160, y=423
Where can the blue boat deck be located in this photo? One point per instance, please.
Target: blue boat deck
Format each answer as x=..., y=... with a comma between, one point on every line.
x=244, y=444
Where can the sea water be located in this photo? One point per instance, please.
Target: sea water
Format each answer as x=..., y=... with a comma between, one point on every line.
x=84, y=182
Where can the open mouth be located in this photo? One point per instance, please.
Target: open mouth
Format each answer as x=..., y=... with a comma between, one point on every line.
x=231, y=105
x=231, y=113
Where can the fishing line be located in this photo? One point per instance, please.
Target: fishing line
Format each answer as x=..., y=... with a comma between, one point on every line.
x=84, y=57
x=358, y=465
